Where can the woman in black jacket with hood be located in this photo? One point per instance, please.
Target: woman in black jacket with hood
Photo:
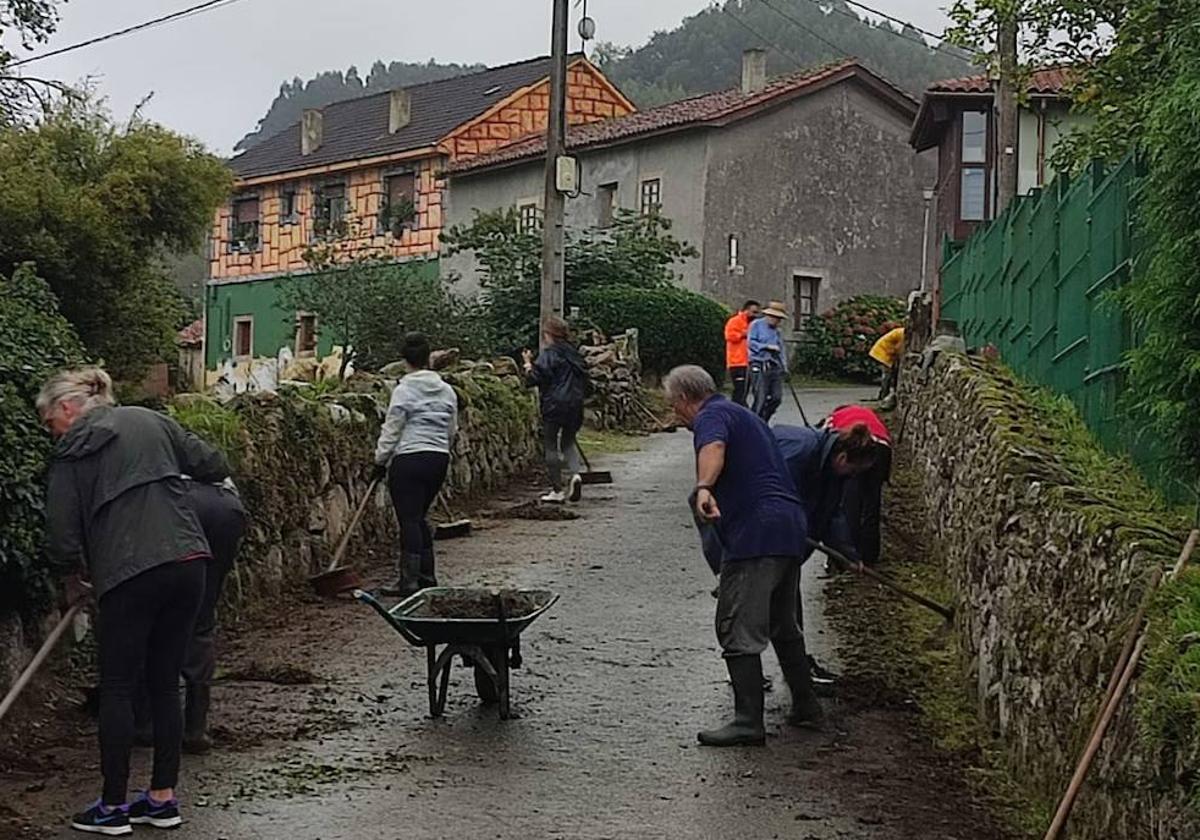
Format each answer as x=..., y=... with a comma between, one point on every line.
x=560, y=375
x=117, y=503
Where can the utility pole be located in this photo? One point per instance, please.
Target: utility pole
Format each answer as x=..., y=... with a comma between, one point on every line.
x=554, y=203
x=1006, y=110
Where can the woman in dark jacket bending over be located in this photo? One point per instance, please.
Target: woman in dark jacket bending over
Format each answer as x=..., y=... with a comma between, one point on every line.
x=560, y=375
x=117, y=503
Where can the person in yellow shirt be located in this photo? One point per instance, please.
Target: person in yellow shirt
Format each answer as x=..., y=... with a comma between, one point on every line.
x=887, y=351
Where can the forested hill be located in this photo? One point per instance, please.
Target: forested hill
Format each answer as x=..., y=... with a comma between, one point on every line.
x=702, y=54
x=705, y=52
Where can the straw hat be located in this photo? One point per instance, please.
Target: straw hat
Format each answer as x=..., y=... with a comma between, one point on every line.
x=776, y=308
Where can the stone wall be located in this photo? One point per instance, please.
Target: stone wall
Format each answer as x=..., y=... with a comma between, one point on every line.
x=1049, y=542
x=306, y=456
x=615, y=371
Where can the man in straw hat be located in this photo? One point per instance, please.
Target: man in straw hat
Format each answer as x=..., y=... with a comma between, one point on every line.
x=756, y=525
x=768, y=360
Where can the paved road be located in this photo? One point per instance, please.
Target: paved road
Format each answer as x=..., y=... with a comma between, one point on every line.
x=618, y=678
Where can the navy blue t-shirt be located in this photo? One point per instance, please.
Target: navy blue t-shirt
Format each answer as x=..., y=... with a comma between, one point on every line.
x=761, y=514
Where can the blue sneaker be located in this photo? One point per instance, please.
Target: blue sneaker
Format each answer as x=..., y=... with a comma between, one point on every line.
x=146, y=811
x=102, y=819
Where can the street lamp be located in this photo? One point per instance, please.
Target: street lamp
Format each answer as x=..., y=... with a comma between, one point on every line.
x=927, y=193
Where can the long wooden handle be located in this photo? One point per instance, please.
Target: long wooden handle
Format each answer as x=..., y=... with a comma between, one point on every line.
x=945, y=612
x=349, y=532
x=1118, y=685
x=39, y=658
x=586, y=463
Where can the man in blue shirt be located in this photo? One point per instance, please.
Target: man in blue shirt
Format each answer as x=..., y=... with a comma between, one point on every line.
x=744, y=491
x=768, y=361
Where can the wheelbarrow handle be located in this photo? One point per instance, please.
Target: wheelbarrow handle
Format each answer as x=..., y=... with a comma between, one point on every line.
x=371, y=601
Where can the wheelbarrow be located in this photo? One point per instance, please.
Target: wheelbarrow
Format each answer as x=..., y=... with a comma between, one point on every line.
x=482, y=626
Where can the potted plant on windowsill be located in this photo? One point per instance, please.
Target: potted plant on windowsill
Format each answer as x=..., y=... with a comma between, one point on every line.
x=399, y=217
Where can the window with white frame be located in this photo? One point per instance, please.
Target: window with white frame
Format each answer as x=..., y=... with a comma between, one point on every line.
x=244, y=224
x=733, y=252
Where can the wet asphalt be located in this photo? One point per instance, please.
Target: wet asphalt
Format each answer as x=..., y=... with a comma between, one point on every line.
x=618, y=677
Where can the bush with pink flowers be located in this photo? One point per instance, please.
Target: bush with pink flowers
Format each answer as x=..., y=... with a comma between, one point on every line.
x=836, y=344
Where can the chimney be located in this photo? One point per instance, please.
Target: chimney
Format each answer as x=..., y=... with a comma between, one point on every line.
x=754, y=70
x=399, y=111
x=312, y=126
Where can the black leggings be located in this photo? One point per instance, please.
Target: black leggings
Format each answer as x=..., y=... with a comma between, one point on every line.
x=414, y=481
x=145, y=621
x=862, y=500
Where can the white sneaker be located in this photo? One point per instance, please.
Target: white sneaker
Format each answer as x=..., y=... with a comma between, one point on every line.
x=576, y=488
x=555, y=497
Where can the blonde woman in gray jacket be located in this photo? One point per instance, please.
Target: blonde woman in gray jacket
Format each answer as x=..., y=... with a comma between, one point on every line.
x=414, y=453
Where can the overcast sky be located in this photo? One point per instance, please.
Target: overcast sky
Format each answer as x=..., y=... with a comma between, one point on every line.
x=213, y=75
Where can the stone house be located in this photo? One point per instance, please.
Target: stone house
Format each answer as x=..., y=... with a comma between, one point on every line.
x=957, y=118
x=366, y=172
x=801, y=188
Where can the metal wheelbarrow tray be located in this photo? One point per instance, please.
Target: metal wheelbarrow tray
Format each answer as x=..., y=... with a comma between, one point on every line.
x=482, y=626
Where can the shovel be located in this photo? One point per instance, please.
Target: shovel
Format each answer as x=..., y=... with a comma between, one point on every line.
x=845, y=562
x=592, y=476
x=41, y=656
x=338, y=578
x=452, y=528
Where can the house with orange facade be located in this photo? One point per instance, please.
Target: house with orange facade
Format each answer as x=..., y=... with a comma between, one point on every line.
x=366, y=173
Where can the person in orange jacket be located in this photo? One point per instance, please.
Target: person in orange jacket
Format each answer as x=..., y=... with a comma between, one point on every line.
x=737, y=349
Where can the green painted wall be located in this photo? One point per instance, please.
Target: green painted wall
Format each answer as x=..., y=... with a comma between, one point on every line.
x=274, y=327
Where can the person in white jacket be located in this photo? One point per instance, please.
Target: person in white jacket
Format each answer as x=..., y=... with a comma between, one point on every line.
x=414, y=453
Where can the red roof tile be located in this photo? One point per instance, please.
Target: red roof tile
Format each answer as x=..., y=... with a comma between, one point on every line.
x=192, y=335
x=1047, y=81
x=708, y=109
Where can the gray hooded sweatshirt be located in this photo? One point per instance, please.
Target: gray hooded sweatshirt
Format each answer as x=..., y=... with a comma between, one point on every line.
x=117, y=498
x=422, y=417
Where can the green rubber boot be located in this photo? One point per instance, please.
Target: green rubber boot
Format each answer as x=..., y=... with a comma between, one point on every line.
x=746, y=730
x=806, y=707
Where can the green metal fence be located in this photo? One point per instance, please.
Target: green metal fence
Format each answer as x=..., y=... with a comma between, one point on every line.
x=1035, y=284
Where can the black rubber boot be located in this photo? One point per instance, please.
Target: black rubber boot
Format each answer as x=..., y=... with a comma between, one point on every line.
x=409, y=582
x=428, y=576
x=746, y=730
x=806, y=706
x=195, y=719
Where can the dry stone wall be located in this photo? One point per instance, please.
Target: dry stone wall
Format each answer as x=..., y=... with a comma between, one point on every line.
x=1049, y=563
x=304, y=460
x=615, y=371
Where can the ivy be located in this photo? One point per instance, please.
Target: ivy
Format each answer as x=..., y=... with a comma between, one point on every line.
x=35, y=342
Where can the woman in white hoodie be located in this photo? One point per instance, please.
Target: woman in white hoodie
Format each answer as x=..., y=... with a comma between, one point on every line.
x=414, y=450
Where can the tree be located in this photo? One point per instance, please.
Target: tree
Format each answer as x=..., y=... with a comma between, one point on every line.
x=33, y=22
x=93, y=205
x=365, y=301
x=636, y=251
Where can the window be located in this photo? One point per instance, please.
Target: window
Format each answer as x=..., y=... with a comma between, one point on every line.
x=733, y=252
x=289, y=204
x=243, y=234
x=807, y=290
x=606, y=204
x=329, y=210
x=306, y=334
x=528, y=217
x=651, y=196
x=398, y=209
x=243, y=337
x=972, y=194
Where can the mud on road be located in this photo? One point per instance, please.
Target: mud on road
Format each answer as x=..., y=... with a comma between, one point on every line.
x=320, y=712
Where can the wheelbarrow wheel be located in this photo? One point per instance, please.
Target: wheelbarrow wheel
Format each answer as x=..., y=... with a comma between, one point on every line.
x=485, y=687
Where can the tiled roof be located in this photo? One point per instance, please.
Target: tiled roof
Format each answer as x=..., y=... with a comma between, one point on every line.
x=1050, y=80
x=708, y=109
x=358, y=128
